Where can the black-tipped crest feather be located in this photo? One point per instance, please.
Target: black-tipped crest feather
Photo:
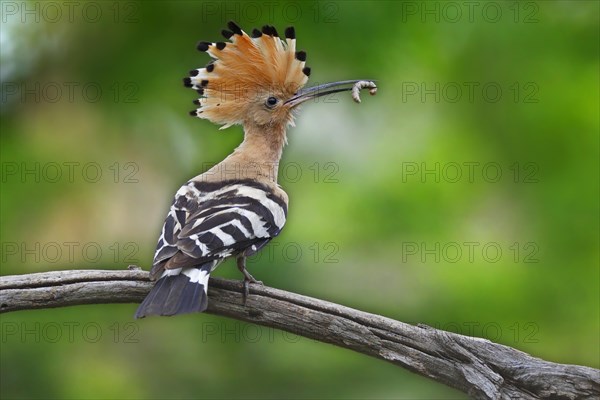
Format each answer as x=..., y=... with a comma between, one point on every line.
x=203, y=46
x=290, y=32
x=234, y=27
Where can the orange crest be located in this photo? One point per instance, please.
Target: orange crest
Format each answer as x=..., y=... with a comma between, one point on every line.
x=245, y=71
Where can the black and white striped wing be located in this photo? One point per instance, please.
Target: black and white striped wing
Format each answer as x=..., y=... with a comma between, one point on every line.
x=212, y=221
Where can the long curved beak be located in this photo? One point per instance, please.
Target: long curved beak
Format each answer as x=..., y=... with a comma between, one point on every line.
x=322, y=90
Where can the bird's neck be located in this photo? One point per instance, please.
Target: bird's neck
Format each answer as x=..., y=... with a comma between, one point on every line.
x=258, y=156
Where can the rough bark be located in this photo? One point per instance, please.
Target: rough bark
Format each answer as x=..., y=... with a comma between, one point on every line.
x=478, y=367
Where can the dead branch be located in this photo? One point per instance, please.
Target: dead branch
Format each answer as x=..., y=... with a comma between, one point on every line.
x=478, y=367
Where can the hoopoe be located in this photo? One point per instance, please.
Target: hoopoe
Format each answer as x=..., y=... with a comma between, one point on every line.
x=235, y=208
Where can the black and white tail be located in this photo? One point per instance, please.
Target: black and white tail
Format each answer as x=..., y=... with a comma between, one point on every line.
x=178, y=291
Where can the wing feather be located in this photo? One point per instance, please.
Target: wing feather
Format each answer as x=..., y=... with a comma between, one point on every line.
x=210, y=222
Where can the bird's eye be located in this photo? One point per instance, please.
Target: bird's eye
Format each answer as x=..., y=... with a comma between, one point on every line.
x=271, y=101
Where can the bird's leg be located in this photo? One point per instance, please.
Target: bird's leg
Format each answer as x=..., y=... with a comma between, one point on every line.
x=241, y=264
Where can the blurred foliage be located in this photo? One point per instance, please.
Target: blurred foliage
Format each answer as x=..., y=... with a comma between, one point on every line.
x=396, y=207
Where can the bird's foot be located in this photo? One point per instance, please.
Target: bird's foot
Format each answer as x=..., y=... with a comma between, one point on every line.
x=241, y=263
x=248, y=279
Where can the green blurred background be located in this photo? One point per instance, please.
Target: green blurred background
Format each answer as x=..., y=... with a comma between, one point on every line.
x=463, y=196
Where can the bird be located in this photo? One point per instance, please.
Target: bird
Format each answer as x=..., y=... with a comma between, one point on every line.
x=236, y=207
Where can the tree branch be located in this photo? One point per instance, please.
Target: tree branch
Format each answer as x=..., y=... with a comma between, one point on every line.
x=478, y=367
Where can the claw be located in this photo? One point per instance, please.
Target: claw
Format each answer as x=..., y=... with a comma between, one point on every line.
x=241, y=263
x=246, y=284
x=246, y=287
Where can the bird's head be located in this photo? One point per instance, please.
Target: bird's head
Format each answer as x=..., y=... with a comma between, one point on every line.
x=255, y=80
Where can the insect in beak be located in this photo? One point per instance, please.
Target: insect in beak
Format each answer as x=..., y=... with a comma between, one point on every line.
x=329, y=88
